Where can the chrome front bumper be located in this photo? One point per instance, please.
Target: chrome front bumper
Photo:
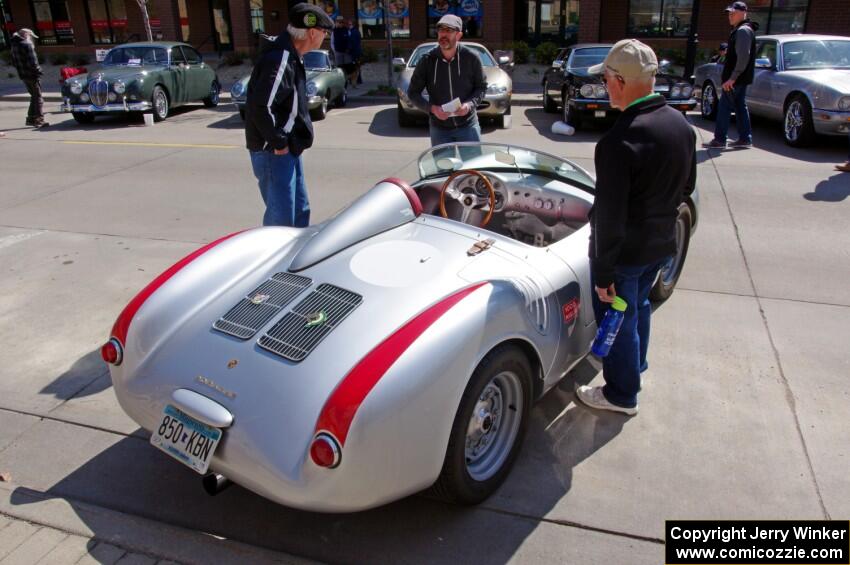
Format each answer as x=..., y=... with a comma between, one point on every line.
x=831, y=122
x=124, y=106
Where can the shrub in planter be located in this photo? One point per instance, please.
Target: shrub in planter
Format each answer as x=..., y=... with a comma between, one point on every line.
x=80, y=60
x=59, y=59
x=546, y=52
x=233, y=58
x=369, y=55
x=521, y=51
x=6, y=56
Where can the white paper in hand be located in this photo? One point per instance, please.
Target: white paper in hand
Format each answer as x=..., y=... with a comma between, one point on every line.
x=452, y=107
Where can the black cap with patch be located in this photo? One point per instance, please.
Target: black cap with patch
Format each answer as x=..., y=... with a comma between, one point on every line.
x=306, y=16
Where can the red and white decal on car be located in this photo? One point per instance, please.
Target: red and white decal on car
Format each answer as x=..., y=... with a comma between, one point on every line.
x=570, y=310
x=340, y=408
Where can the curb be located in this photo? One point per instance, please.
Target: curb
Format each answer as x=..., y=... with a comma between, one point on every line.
x=140, y=535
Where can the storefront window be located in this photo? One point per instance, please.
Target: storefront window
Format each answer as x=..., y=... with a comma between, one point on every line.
x=370, y=16
x=184, y=20
x=659, y=18
x=52, y=23
x=470, y=11
x=221, y=24
x=779, y=16
x=258, y=23
x=107, y=21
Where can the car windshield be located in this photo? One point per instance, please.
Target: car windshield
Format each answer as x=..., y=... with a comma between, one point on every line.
x=817, y=54
x=316, y=60
x=443, y=159
x=144, y=55
x=583, y=58
x=486, y=59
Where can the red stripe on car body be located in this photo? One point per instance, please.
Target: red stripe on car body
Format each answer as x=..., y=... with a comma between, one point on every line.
x=339, y=410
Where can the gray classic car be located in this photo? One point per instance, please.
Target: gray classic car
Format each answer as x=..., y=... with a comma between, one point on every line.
x=142, y=77
x=497, y=101
x=803, y=80
x=325, y=85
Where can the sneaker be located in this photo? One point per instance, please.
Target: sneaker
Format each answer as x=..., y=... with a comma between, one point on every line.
x=715, y=144
x=593, y=397
x=38, y=125
x=741, y=143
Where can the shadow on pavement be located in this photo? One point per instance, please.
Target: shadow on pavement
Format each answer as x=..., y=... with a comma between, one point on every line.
x=83, y=378
x=132, y=477
x=543, y=121
x=834, y=189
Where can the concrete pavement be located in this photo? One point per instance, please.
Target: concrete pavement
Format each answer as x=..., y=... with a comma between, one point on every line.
x=742, y=410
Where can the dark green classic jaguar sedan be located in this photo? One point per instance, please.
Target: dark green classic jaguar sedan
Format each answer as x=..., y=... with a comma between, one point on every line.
x=142, y=77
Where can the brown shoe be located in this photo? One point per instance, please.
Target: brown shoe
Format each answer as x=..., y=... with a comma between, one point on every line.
x=845, y=168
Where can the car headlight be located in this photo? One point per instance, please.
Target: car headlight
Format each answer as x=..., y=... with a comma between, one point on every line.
x=586, y=91
x=76, y=88
x=600, y=91
x=238, y=89
x=496, y=89
x=676, y=92
x=844, y=103
x=312, y=89
x=687, y=91
x=119, y=87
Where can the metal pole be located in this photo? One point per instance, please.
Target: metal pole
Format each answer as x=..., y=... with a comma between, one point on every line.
x=693, y=41
x=386, y=13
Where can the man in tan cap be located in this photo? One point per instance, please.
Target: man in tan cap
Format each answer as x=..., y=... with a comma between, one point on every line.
x=645, y=166
x=29, y=71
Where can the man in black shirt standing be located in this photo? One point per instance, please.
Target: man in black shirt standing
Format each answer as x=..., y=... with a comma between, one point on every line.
x=645, y=166
x=738, y=72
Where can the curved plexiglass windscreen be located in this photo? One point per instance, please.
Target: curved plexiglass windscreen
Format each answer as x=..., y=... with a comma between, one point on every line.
x=443, y=159
x=486, y=58
x=816, y=54
x=142, y=55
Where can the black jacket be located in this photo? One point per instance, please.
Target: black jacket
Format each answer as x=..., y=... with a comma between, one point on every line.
x=740, y=63
x=645, y=166
x=276, y=111
x=462, y=77
x=24, y=59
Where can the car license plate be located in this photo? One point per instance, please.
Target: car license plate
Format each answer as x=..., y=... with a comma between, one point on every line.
x=599, y=114
x=189, y=441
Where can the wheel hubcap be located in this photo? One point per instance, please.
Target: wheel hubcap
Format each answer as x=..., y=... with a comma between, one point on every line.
x=161, y=105
x=493, y=426
x=707, y=101
x=668, y=272
x=793, y=121
x=214, y=90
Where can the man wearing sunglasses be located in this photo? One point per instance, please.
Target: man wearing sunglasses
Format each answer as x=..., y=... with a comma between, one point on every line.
x=645, y=165
x=277, y=119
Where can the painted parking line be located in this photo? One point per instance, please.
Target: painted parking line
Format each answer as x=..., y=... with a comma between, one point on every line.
x=144, y=144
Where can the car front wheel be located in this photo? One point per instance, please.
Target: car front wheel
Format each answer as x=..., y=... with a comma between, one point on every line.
x=799, y=128
x=549, y=104
x=570, y=116
x=488, y=427
x=159, y=100
x=404, y=120
x=211, y=101
x=322, y=111
x=708, y=102
x=669, y=274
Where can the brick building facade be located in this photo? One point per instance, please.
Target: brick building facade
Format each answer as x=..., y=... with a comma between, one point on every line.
x=80, y=26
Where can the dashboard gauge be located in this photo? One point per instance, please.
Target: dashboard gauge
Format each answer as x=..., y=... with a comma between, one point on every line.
x=481, y=187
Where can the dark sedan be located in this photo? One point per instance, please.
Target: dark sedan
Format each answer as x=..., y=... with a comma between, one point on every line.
x=583, y=97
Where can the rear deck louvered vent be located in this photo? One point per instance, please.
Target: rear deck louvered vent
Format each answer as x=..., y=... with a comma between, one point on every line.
x=261, y=305
x=318, y=314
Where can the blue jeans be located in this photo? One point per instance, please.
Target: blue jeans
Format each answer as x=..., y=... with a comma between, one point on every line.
x=737, y=99
x=623, y=365
x=470, y=132
x=281, y=180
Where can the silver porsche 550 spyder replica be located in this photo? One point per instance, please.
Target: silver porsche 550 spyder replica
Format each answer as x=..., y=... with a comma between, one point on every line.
x=395, y=347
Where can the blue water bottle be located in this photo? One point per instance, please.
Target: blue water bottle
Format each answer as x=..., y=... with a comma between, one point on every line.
x=609, y=327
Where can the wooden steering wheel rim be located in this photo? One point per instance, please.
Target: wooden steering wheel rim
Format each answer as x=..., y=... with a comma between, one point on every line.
x=487, y=183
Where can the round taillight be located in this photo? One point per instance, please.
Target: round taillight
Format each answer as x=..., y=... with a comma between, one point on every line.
x=324, y=451
x=112, y=352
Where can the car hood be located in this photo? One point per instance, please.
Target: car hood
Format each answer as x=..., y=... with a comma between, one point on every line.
x=836, y=79
x=493, y=75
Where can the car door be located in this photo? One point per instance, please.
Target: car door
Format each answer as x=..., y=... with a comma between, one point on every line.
x=199, y=76
x=179, y=70
x=760, y=93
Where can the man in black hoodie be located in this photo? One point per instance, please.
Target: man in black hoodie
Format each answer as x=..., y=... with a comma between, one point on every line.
x=645, y=165
x=738, y=72
x=29, y=71
x=454, y=79
x=277, y=119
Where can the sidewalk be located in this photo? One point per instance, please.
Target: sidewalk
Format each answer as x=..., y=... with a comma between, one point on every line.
x=36, y=527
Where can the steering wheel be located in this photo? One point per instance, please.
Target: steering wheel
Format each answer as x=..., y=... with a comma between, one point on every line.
x=468, y=201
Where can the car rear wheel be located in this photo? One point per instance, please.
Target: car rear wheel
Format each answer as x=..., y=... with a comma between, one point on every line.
x=669, y=274
x=505, y=120
x=83, y=117
x=488, y=428
x=404, y=120
x=159, y=100
x=708, y=102
x=211, y=101
x=549, y=104
x=570, y=116
x=799, y=128
x=322, y=111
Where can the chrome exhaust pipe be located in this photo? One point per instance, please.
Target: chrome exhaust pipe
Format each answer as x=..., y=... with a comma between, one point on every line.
x=214, y=483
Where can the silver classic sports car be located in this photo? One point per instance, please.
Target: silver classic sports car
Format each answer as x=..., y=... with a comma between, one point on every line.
x=395, y=347
x=497, y=100
x=802, y=80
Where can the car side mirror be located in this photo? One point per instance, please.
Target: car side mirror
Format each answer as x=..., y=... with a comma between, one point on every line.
x=398, y=62
x=763, y=63
x=504, y=60
x=449, y=163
